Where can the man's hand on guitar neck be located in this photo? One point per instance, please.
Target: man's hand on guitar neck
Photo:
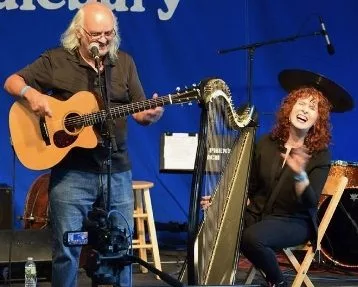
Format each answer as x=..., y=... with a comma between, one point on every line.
x=38, y=103
x=149, y=116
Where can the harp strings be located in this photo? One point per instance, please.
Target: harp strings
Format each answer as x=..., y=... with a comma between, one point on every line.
x=220, y=142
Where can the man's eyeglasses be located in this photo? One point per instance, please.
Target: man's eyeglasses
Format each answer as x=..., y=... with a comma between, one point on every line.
x=97, y=35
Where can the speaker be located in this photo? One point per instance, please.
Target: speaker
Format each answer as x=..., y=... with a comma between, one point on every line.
x=5, y=207
x=17, y=245
x=5, y=236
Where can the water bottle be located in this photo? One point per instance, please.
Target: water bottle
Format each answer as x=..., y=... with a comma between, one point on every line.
x=30, y=273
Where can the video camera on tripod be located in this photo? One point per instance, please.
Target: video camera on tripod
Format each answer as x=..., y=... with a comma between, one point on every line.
x=109, y=244
x=109, y=253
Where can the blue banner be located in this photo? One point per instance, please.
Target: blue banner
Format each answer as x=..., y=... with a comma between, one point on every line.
x=176, y=43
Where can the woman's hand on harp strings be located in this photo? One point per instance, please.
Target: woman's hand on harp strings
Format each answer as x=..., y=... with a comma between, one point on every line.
x=205, y=202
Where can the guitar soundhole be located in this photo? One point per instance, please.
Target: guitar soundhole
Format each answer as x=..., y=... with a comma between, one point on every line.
x=73, y=126
x=73, y=123
x=63, y=139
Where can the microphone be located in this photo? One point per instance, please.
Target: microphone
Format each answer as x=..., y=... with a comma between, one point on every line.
x=330, y=48
x=94, y=49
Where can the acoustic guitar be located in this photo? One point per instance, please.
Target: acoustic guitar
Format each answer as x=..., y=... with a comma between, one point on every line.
x=42, y=142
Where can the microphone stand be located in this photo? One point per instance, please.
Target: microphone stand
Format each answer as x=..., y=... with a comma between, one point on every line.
x=118, y=261
x=110, y=141
x=110, y=124
x=251, y=50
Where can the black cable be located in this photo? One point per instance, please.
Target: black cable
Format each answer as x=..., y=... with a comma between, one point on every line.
x=12, y=236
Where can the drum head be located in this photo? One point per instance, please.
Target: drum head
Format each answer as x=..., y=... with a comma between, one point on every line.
x=339, y=244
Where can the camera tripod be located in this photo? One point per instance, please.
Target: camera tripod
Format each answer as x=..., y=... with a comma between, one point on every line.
x=117, y=262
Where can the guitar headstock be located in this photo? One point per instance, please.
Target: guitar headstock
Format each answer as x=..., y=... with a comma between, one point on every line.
x=186, y=95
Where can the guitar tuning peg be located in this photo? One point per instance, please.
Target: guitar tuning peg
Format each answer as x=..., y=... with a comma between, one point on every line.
x=194, y=85
x=186, y=87
x=177, y=89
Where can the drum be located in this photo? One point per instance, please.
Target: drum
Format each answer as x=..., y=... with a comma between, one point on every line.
x=339, y=244
x=36, y=205
x=348, y=169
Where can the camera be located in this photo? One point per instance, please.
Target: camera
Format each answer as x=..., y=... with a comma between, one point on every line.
x=75, y=238
x=100, y=232
x=106, y=243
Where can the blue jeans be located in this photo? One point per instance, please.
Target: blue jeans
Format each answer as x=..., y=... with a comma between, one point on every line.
x=72, y=194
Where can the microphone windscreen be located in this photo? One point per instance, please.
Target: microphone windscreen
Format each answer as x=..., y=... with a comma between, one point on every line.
x=94, y=49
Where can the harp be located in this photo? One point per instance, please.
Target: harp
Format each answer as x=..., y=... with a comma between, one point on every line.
x=222, y=168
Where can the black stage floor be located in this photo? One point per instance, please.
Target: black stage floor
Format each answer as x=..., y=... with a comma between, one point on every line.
x=172, y=261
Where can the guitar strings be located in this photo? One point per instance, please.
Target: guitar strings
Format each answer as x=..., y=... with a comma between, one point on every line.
x=120, y=110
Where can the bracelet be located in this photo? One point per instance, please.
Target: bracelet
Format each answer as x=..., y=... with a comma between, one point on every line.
x=302, y=176
x=23, y=91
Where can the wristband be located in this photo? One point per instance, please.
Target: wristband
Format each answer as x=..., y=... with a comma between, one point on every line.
x=302, y=176
x=23, y=91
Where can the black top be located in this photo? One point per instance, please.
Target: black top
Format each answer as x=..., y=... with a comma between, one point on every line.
x=268, y=177
x=61, y=74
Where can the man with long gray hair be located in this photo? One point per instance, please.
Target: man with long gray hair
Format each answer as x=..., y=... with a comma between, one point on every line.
x=88, y=60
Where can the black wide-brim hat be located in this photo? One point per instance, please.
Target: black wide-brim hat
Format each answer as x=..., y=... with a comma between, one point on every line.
x=292, y=79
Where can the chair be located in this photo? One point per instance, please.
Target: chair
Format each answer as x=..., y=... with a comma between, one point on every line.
x=334, y=188
x=144, y=221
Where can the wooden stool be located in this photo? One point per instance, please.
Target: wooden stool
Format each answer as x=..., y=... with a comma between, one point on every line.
x=143, y=213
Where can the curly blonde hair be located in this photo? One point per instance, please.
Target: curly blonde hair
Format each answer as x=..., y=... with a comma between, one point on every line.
x=319, y=136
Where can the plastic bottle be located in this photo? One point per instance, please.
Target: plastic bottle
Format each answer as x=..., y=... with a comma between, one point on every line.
x=30, y=273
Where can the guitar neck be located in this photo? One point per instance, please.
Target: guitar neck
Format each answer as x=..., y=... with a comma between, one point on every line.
x=128, y=109
x=125, y=110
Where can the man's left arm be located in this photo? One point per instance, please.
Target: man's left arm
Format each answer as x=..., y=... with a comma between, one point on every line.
x=146, y=117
